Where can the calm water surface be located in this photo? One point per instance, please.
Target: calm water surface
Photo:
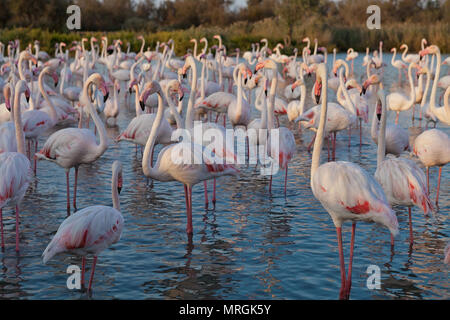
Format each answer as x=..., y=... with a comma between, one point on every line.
x=254, y=245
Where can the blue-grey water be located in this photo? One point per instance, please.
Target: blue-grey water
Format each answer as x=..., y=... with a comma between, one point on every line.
x=253, y=245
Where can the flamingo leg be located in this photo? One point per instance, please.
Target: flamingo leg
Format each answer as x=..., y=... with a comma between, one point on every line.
x=278, y=122
x=189, y=228
x=68, y=192
x=312, y=142
x=342, y=263
x=224, y=120
x=35, y=160
x=205, y=184
x=349, y=135
x=396, y=118
x=438, y=186
x=350, y=262
x=217, y=117
x=83, y=269
x=334, y=146
x=92, y=273
x=360, y=132
x=428, y=180
x=1, y=227
x=411, y=239
x=285, y=179
x=214, y=193
x=75, y=190
x=17, y=228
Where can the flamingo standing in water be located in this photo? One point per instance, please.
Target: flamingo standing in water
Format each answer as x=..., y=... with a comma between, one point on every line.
x=346, y=191
x=15, y=168
x=90, y=230
x=171, y=163
x=286, y=141
x=398, y=101
x=432, y=147
x=402, y=180
x=72, y=147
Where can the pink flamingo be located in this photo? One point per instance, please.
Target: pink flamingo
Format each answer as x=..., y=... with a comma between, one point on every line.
x=15, y=168
x=72, y=147
x=402, y=180
x=286, y=141
x=432, y=147
x=170, y=165
x=346, y=191
x=90, y=230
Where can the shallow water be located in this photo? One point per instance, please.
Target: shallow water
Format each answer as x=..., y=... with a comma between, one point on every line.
x=253, y=245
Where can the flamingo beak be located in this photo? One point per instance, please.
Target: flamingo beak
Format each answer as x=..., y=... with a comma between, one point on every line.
x=105, y=91
x=27, y=95
x=119, y=184
x=55, y=79
x=318, y=91
x=8, y=105
x=379, y=110
x=366, y=84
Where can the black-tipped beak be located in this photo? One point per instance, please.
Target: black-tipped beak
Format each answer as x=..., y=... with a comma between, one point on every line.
x=118, y=91
x=317, y=98
x=129, y=90
x=265, y=91
x=184, y=75
x=245, y=81
x=181, y=98
x=106, y=97
x=142, y=104
x=119, y=189
x=379, y=116
x=28, y=98
x=335, y=74
x=363, y=91
x=56, y=84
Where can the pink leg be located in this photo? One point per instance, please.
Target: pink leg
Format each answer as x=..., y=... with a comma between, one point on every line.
x=35, y=151
x=311, y=143
x=411, y=239
x=224, y=120
x=278, y=122
x=328, y=145
x=217, y=117
x=342, y=263
x=428, y=180
x=17, y=228
x=350, y=263
x=92, y=273
x=1, y=226
x=270, y=184
x=75, y=190
x=189, y=228
x=83, y=270
x=68, y=192
x=396, y=118
x=360, y=132
x=438, y=187
x=285, y=179
x=214, y=193
x=349, y=136
x=205, y=184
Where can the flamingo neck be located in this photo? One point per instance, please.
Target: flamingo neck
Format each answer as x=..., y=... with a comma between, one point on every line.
x=381, y=150
x=53, y=114
x=136, y=101
x=271, y=105
x=147, y=167
x=114, y=192
x=100, y=149
x=172, y=109
x=190, y=108
x=436, y=79
x=20, y=138
x=411, y=84
x=322, y=74
x=427, y=87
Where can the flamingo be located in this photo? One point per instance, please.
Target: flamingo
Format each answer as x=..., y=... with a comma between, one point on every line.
x=346, y=191
x=90, y=230
x=402, y=180
x=410, y=58
x=72, y=147
x=432, y=147
x=170, y=165
x=399, y=102
x=351, y=56
x=286, y=141
x=15, y=168
x=442, y=113
x=112, y=108
x=398, y=64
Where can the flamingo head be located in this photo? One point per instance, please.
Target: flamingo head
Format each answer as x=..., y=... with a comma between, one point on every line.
x=133, y=83
x=393, y=49
x=266, y=64
x=297, y=83
x=379, y=109
x=140, y=37
x=176, y=88
x=403, y=46
x=318, y=89
x=7, y=95
x=149, y=89
x=374, y=79
x=306, y=39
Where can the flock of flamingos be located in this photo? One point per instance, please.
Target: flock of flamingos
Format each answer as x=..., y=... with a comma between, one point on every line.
x=103, y=78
